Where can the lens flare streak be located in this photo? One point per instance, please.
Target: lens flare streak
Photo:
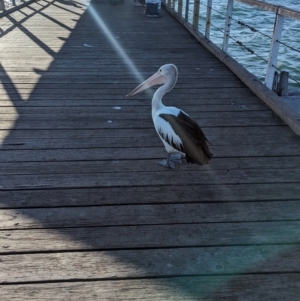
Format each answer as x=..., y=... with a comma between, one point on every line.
x=117, y=47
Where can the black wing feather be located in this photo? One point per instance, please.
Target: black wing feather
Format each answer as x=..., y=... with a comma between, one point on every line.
x=194, y=142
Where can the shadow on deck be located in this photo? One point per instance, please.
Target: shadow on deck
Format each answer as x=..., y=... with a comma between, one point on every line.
x=87, y=214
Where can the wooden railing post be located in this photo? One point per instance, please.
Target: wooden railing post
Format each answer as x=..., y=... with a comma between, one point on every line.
x=173, y=4
x=272, y=62
x=196, y=14
x=208, y=18
x=227, y=25
x=180, y=8
x=283, y=84
x=187, y=6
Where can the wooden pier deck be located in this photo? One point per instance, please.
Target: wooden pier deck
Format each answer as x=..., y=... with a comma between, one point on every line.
x=87, y=214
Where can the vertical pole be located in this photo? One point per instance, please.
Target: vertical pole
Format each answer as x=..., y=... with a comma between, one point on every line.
x=283, y=84
x=187, y=5
x=272, y=63
x=173, y=4
x=169, y=3
x=275, y=82
x=227, y=25
x=180, y=8
x=208, y=18
x=196, y=14
x=2, y=6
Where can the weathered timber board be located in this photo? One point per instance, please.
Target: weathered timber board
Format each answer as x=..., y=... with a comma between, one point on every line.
x=132, y=153
x=149, y=236
x=158, y=178
x=40, y=198
x=238, y=163
x=159, y=214
x=61, y=114
x=225, y=133
x=110, y=122
x=151, y=140
x=210, y=288
x=149, y=263
x=234, y=103
x=109, y=84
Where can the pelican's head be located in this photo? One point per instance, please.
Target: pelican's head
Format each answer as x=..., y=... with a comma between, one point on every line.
x=166, y=74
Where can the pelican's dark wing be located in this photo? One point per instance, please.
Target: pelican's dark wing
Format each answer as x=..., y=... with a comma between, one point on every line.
x=193, y=141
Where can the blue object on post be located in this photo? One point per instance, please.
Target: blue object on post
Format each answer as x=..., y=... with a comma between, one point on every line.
x=152, y=8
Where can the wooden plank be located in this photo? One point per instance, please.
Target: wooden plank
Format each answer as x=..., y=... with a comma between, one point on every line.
x=230, y=164
x=177, y=54
x=138, y=153
x=117, y=112
x=115, y=86
x=222, y=132
x=110, y=122
x=210, y=288
x=52, y=142
x=117, y=99
x=123, y=264
x=93, y=77
x=117, y=79
x=78, y=93
x=160, y=177
x=163, y=194
x=149, y=236
x=100, y=216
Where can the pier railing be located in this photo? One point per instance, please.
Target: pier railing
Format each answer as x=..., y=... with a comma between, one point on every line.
x=275, y=79
x=7, y=6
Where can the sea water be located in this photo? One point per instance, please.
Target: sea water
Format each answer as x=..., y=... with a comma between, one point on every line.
x=258, y=41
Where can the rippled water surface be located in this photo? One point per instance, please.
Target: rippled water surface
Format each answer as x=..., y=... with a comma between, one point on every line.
x=259, y=40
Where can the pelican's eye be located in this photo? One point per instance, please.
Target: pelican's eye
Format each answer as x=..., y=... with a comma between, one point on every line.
x=160, y=70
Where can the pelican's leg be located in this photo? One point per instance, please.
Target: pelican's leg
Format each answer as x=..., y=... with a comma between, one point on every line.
x=177, y=157
x=172, y=158
x=167, y=162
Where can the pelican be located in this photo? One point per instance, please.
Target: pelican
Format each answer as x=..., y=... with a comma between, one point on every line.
x=181, y=135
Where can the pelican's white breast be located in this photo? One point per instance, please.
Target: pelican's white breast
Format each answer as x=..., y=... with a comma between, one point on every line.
x=164, y=128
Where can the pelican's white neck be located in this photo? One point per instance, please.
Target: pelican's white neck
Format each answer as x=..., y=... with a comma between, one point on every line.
x=161, y=91
x=157, y=98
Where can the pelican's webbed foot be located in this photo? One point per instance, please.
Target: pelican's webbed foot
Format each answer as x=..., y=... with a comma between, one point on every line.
x=172, y=158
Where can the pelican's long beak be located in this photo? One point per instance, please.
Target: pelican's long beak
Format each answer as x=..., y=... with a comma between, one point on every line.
x=155, y=79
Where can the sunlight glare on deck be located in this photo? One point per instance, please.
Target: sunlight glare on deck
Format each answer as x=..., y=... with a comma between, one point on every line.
x=112, y=40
